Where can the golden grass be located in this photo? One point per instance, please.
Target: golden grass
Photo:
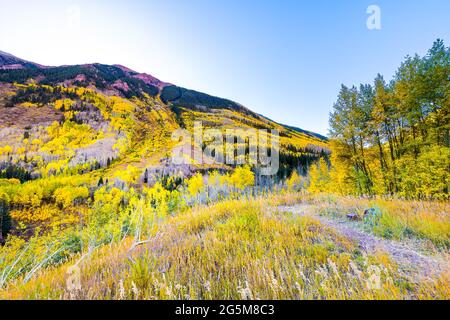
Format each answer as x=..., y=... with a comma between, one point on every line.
x=424, y=220
x=233, y=250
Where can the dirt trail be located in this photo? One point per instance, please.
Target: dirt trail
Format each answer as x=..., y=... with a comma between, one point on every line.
x=407, y=254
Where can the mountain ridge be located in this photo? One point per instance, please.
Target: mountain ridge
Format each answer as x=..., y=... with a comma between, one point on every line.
x=126, y=82
x=109, y=118
x=11, y=62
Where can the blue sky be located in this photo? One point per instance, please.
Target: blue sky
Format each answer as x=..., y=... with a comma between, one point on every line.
x=284, y=59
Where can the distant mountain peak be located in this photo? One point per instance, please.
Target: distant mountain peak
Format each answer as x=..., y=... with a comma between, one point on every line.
x=120, y=80
x=125, y=69
x=147, y=78
x=3, y=53
x=11, y=62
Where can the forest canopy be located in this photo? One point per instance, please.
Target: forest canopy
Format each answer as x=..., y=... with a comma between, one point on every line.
x=393, y=137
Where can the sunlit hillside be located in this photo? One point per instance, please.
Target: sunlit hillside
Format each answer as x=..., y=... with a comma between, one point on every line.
x=93, y=207
x=280, y=247
x=82, y=118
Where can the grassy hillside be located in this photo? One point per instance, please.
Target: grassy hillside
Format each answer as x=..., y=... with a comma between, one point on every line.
x=81, y=144
x=131, y=120
x=238, y=249
x=91, y=206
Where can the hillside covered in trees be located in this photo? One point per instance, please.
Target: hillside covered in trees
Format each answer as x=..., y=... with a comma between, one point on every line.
x=91, y=207
x=70, y=132
x=392, y=137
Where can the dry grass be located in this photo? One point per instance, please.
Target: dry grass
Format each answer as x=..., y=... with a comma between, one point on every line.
x=234, y=250
x=22, y=116
x=428, y=221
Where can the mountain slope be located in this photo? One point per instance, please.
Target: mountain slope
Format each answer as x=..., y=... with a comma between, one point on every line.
x=91, y=207
x=86, y=117
x=10, y=62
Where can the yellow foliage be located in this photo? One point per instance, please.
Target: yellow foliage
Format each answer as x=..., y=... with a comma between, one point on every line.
x=64, y=104
x=214, y=179
x=70, y=135
x=66, y=196
x=121, y=106
x=3, y=195
x=294, y=183
x=5, y=150
x=224, y=180
x=109, y=200
x=55, y=167
x=242, y=177
x=122, y=145
x=195, y=184
x=280, y=257
x=30, y=195
x=7, y=182
x=68, y=115
x=80, y=91
x=129, y=175
x=40, y=214
x=319, y=177
x=36, y=142
x=28, y=105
